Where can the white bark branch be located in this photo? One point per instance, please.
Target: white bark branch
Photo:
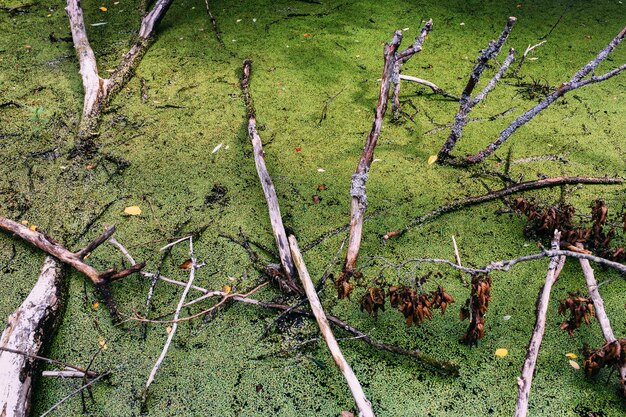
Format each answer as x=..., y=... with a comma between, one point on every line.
x=363, y=404
x=29, y=327
x=170, y=336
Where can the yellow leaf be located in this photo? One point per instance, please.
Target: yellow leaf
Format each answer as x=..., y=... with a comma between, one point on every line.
x=574, y=364
x=33, y=227
x=24, y=222
x=168, y=329
x=571, y=355
x=226, y=289
x=95, y=305
x=102, y=343
x=502, y=352
x=432, y=159
x=104, y=9
x=132, y=210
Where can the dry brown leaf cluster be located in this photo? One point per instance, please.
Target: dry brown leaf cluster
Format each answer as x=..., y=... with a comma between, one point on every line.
x=476, y=308
x=612, y=354
x=542, y=221
x=579, y=308
x=417, y=307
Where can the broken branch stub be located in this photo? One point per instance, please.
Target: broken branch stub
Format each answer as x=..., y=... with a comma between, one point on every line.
x=287, y=282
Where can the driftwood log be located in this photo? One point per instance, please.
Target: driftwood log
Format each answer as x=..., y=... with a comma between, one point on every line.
x=29, y=329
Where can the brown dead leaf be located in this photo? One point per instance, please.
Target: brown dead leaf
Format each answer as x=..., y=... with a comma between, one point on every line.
x=186, y=265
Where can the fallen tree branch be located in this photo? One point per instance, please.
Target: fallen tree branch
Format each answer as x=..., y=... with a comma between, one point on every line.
x=577, y=81
x=516, y=188
x=363, y=404
x=524, y=382
x=29, y=328
x=288, y=283
x=99, y=91
x=359, y=178
x=443, y=367
x=600, y=312
x=101, y=280
x=467, y=103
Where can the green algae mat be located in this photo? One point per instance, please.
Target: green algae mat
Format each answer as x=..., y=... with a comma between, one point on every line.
x=174, y=143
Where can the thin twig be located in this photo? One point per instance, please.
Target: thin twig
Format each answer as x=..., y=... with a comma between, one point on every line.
x=170, y=336
x=70, y=395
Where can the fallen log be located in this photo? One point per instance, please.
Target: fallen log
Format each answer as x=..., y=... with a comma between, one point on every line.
x=29, y=329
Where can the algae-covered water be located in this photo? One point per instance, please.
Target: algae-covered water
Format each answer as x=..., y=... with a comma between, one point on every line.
x=303, y=53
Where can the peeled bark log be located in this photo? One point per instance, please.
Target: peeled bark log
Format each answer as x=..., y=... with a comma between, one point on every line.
x=29, y=328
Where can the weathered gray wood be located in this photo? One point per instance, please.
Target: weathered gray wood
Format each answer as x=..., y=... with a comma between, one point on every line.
x=29, y=328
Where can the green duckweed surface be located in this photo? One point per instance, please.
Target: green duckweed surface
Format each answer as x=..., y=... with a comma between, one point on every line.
x=303, y=53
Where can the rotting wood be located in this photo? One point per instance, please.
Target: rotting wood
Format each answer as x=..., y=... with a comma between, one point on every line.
x=29, y=329
x=288, y=284
x=524, y=382
x=363, y=404
x=515, y=188
x=101, y=280
x=99, y=91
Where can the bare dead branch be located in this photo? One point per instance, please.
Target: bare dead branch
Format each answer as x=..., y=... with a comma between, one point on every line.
x=577, y=81
x=363, y=404
x=170, y=336
x=600, y=312
x=513, y=189
x=359, y=178
x=524, y=382
x=77, y=391
x=443, y=367
x=467, y=103
x=75, y=260
x=528, y=50
x=99, y=91
x=268, y=187
x=401, y=58
x=436, y=89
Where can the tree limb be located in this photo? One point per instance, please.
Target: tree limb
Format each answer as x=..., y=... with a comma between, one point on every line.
x=363, y=404
x=524, y=382
x=268, y=187
x=494, y=195
x=574, y=83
